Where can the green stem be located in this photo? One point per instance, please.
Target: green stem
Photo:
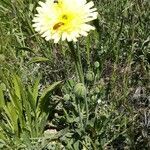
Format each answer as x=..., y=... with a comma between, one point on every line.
x=79, y=110
x=87, y=110
x=77, y=59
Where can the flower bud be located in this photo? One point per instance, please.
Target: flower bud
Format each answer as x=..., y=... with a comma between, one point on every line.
x=80, y=90
x=97, y=90
x=96, y=64
x=66, y=97
x=90, y=76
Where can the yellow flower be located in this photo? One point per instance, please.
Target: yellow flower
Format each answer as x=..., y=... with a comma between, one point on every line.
x=64, y=19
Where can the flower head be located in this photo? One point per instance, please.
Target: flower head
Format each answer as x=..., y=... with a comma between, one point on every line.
x=64, y=19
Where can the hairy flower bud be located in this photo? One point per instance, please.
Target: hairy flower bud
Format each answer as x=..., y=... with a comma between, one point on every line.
x=80, y=90
x=66, y=97
x=96, y=64
x=90, y=76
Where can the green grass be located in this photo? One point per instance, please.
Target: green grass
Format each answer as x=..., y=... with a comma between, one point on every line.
x=37, y=80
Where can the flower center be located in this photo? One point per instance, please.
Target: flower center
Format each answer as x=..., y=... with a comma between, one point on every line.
x=64, y=19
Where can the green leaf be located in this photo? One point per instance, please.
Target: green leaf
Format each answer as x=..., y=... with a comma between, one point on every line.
x=44, y=99
x=17, y=89
x=35, y=89
x=2, y=100
x=31, y=100
x=38, y=60
x=76, y=145
x=2, y=134
x=11, y=117
x=26, y=49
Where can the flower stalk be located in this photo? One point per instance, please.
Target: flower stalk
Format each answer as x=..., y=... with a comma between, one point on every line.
x=77, y=60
